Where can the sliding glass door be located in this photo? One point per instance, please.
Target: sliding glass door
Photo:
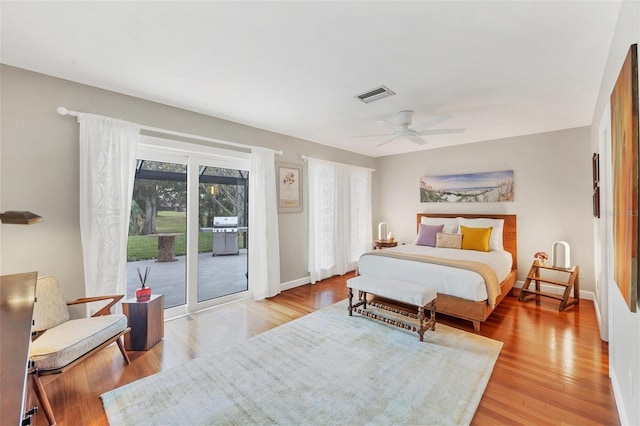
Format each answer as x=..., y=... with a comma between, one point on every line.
x=189, y=225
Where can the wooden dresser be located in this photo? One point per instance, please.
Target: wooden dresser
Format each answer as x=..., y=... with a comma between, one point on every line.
x=17, y=296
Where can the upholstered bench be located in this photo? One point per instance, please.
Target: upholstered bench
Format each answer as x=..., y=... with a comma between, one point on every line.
x=422, y=297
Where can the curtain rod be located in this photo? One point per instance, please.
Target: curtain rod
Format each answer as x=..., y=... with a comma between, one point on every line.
x=305, y=158
x=64, y=111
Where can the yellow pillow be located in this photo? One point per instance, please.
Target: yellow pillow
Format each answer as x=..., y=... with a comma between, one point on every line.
x=475, y=238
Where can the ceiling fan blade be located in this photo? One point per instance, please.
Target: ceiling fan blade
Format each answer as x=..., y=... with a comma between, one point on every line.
x=434, y=121
x=440, y=131
x=395, y=127
x=416, y=139
x=372, y=136
x=385, y=142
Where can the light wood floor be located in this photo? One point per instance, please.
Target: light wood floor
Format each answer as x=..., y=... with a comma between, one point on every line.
x=552, y=368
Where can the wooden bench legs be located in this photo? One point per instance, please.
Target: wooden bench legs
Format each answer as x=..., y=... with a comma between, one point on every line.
x=423, y=324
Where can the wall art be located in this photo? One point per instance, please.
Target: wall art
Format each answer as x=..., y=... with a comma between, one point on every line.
x=467, y=188
x=624, y=166
x=289, y=187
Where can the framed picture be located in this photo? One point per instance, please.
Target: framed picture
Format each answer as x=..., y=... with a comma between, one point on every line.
x=595, y=167
x=624, y=167
x=289, y=187
x=467, y=188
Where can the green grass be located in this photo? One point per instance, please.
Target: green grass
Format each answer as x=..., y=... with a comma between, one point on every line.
x=171, y=222
x=141, y=247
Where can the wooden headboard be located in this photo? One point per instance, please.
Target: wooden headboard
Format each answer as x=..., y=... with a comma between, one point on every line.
x=509, y=233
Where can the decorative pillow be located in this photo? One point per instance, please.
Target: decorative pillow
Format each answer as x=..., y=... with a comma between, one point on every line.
x=427, y=235
x=450, y=223
x=453, y=241
x=475, y=238
x=495, y=241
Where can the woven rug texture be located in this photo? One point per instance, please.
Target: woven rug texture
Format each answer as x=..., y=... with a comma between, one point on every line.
x=324, y=368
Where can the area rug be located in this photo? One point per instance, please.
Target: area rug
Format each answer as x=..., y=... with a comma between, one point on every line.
x=324, y=368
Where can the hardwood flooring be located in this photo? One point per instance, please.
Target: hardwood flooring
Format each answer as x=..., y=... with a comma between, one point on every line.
x=553, y=367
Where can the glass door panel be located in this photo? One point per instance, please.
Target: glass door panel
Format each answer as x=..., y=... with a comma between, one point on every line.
x=223, y=226
x=157, y=231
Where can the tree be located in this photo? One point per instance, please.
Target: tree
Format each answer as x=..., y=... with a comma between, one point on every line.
x=152, y=194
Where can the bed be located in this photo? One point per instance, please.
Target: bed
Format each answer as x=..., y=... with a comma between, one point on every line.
x=463, y=292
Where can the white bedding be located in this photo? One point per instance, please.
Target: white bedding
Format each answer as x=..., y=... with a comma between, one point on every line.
x=444, y=279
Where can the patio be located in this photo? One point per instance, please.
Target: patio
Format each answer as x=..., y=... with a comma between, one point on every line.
x=217, y=276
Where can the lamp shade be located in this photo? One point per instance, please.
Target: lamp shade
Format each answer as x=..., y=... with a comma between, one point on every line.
x=19, y=218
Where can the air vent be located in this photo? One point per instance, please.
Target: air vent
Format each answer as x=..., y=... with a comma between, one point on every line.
x=375, y=94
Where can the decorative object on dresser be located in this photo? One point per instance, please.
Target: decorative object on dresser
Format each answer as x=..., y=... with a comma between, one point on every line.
x=61, y=342
x=323, y=368
x=482, y=279
x=624, y=168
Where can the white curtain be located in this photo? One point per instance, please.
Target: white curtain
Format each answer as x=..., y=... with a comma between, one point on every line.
x=107, y=171
x=264, y=244
x=339, y=217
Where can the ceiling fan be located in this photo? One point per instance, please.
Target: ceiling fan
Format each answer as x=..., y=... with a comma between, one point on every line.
x=403, y=130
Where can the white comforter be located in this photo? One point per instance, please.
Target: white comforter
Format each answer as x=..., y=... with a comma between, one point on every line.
x=444, y=279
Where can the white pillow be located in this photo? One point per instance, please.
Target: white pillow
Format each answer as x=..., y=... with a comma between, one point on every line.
x=495, y=241
x=450, y=223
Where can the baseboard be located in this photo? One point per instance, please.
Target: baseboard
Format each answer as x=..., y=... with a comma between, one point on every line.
x=604, y=334
x=616, y=394
x=295, y=283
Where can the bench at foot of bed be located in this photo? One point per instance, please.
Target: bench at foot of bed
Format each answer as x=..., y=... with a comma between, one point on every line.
x=419, y=296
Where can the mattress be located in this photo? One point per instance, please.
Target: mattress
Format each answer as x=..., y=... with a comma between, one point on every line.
x=444, y=279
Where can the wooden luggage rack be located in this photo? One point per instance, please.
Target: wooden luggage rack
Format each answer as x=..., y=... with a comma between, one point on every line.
x=572, y=282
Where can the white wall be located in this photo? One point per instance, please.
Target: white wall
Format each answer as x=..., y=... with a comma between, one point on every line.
x=552, y=179
x=623, y=326
x=39, y=166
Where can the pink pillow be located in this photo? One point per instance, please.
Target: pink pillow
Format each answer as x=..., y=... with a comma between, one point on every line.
x=427, y=235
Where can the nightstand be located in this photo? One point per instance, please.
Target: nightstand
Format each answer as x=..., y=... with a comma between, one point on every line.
x=380, y=244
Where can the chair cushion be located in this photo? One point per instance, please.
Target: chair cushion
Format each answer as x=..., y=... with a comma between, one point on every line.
x=63, y=344
x=50, y=308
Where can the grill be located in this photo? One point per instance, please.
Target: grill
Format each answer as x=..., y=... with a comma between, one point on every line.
x=225, y=235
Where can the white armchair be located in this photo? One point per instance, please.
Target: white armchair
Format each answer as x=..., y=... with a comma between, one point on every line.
x=61, y=342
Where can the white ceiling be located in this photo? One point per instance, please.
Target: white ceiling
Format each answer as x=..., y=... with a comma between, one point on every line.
x=500, y=69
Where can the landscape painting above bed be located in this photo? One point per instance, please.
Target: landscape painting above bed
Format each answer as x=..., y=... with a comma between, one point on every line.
x=467, y=188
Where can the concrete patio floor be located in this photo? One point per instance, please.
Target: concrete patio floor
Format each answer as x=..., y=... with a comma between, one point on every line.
x=217, y=276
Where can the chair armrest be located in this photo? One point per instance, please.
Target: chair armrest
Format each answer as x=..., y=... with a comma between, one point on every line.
x=105, y=310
